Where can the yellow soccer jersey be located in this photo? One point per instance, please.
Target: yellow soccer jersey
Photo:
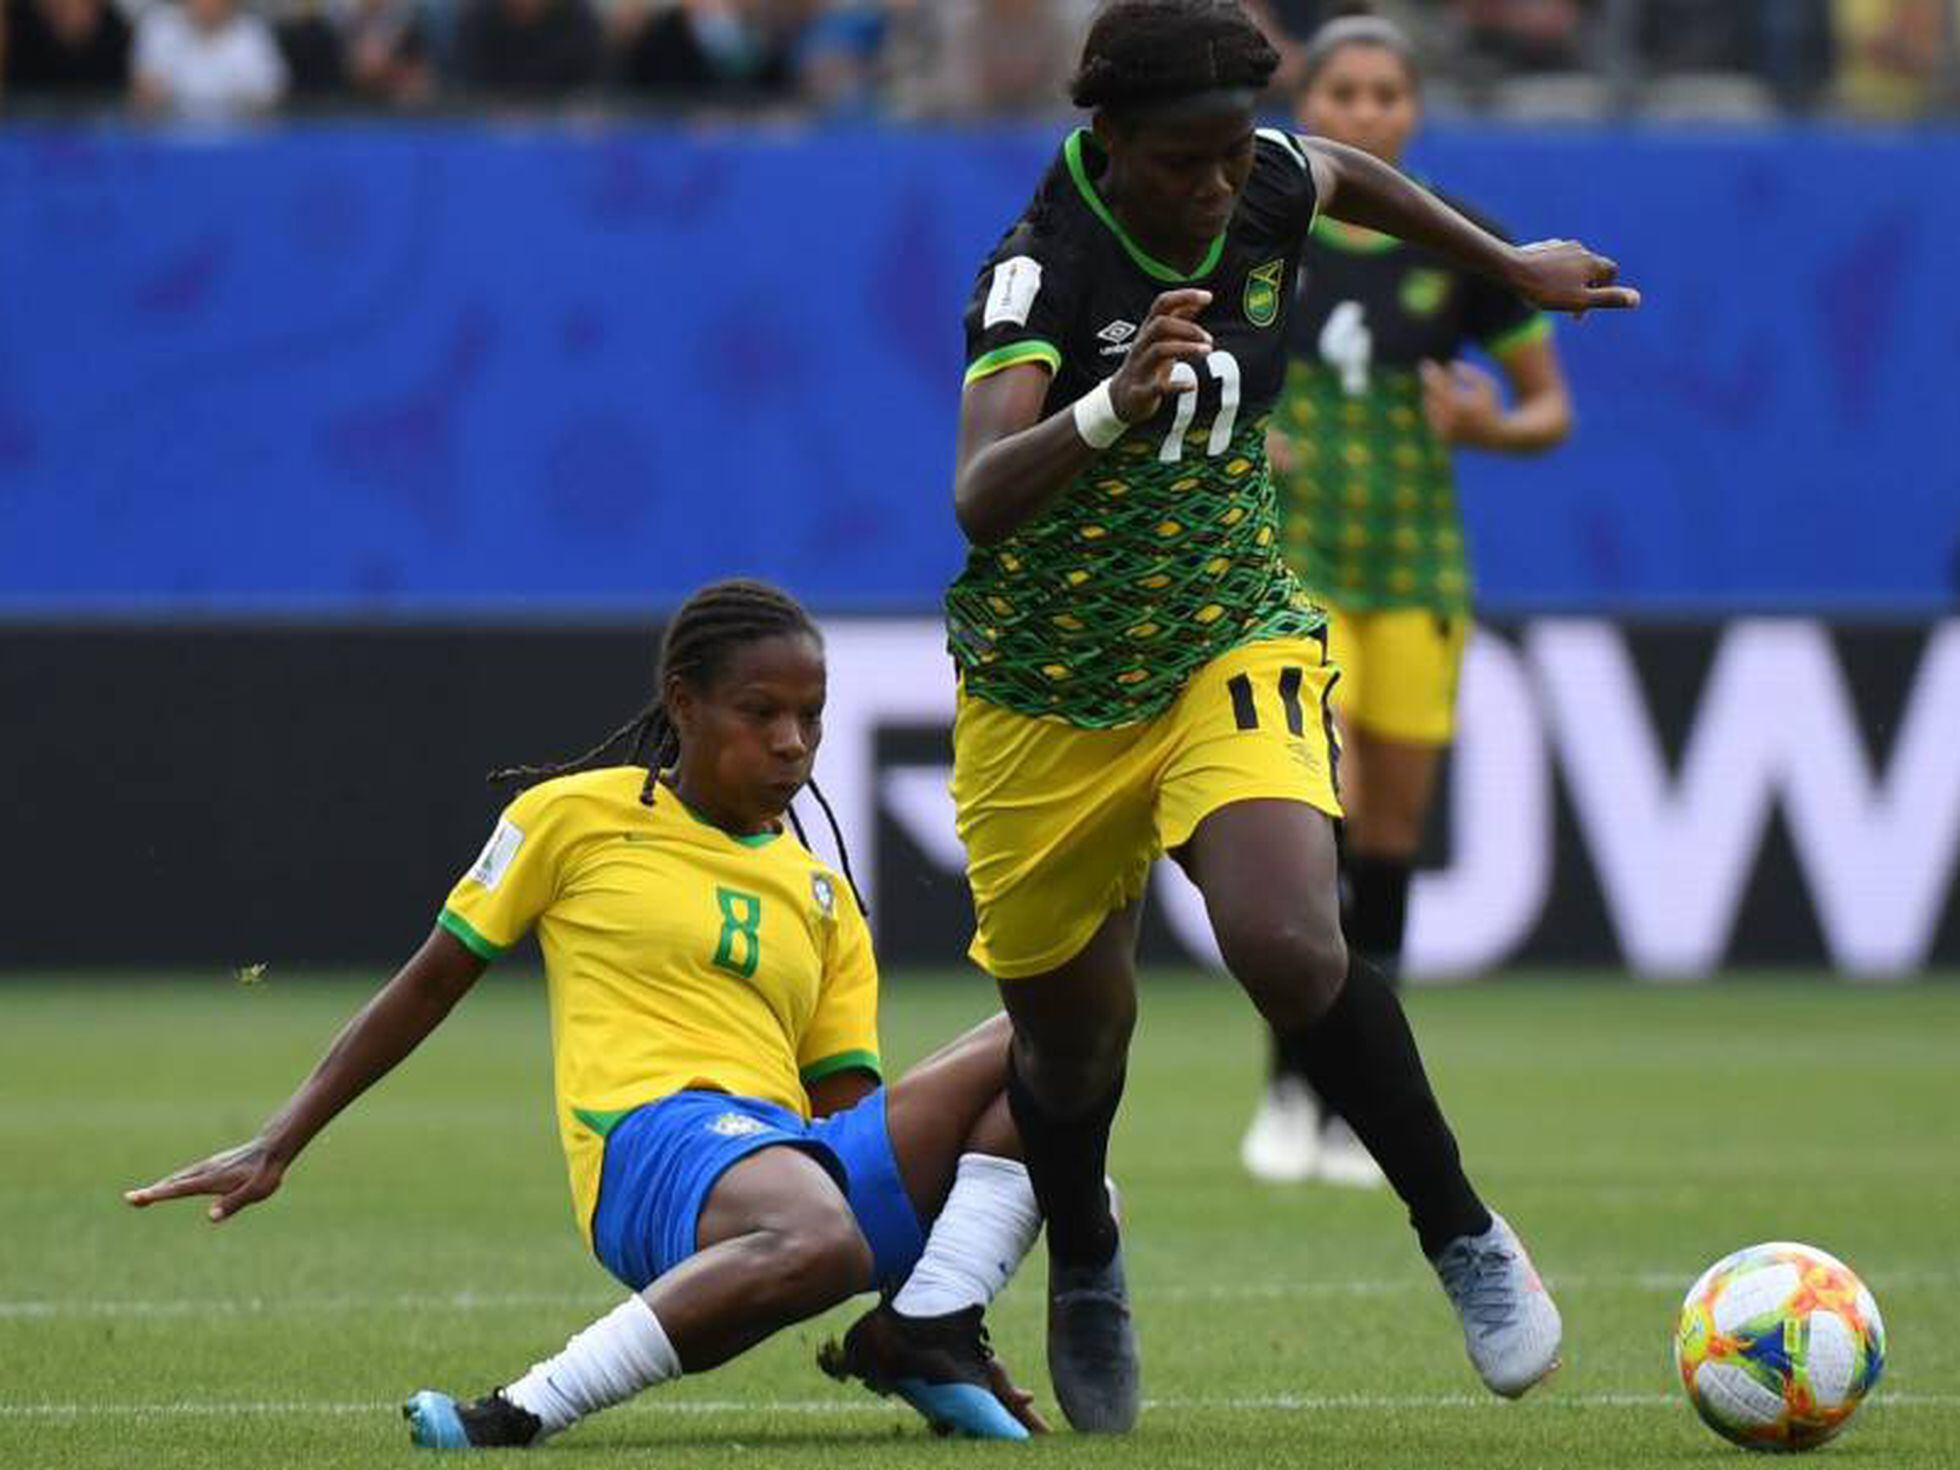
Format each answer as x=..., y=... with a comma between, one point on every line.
x=676, y=954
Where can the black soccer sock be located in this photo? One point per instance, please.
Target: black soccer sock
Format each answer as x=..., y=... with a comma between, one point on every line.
x=1289, y=1056
x=1067, y=1160
x=1374, y=911
x=1378, y=910
x=1361, y=1058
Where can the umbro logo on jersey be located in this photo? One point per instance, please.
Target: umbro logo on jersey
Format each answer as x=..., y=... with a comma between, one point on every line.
x=1117, y=337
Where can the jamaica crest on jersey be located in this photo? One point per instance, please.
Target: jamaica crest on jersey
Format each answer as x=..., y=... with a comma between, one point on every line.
x=1265, y=287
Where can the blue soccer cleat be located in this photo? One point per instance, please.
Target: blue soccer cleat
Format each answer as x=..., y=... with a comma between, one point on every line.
x=942, y=1366
x=437, y=1422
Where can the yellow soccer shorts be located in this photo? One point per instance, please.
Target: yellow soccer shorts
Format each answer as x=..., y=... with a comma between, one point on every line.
x=1061, y=823
x=1399, y=669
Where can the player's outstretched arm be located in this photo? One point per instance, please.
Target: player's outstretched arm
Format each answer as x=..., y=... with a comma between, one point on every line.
x=1557, y=275
x=1012, y=461
x=385, y=1030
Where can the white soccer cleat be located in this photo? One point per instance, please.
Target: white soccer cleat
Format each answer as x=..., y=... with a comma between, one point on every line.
x=1343, y=1159
x=1510, y=1323
x=1281, y=1145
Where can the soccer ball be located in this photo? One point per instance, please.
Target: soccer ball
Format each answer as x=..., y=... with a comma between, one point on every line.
x=1778, y=1345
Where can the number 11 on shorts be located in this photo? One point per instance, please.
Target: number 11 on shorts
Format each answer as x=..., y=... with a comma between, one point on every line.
x=1245, y=709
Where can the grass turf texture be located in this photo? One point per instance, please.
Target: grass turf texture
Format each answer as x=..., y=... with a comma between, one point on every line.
x=1634, y=1134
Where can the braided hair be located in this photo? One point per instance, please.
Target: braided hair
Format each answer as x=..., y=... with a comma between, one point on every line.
x=704, y=631
x=1143, y=52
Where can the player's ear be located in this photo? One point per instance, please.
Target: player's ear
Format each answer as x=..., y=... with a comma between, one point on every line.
x=682, y=703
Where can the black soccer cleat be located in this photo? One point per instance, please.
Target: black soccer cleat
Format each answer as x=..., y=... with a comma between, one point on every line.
x=1092, y=1347
x=942, y=1366
x=493, y=1422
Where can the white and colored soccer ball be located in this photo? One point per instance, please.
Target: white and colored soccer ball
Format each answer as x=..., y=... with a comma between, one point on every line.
x=1777, y=1346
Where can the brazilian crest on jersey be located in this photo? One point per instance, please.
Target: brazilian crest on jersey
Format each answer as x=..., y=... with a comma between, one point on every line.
x=1369, y=503
x=1165, y=552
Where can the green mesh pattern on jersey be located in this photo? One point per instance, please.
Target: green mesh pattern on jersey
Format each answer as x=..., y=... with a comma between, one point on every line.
x=1139, y=574
x=1370, y=501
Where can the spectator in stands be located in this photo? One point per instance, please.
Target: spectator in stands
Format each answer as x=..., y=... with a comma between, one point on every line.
x=712, y=51
x=1523, y=35
x=1890, y=54
x=1695, y=35
x=387, y=49
x=533, y=50
x=1793, y=49
x=63, y=51
x=205, y=60
x=310, y=43
x=983, y=58
x=839, y=60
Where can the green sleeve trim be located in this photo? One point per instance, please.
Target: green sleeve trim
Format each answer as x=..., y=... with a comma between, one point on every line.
x=1351, y=239
x=475, y=943
x=1013, y=355
x=1538, y=329
x=844, y=1061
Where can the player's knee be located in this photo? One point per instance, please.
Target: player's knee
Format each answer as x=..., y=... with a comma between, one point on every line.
x=1071, y=1073
x=1292, y=967
x=815, y=1262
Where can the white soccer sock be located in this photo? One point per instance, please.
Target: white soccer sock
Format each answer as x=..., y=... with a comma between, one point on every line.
x=623, y=1352
x=980, y=1238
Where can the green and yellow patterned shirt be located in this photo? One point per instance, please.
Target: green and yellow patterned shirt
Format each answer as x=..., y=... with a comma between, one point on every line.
x=1165, y=553
x=1370, y=505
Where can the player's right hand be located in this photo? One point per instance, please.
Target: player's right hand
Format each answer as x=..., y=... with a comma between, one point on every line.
x=239, y=1176
x=1170, y=336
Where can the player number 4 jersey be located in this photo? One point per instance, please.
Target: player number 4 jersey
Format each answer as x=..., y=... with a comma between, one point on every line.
x=1165, y=552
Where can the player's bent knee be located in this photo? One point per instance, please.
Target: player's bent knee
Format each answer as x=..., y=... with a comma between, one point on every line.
x=1071, y=1077
x=815, y=1263
x=1293, y=969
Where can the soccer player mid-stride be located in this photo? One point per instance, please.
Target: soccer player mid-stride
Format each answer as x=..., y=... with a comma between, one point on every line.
x=1140, y=673
x=712, y=988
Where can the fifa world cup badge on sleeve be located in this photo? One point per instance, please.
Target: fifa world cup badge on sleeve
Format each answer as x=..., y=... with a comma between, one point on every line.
x=497, y=854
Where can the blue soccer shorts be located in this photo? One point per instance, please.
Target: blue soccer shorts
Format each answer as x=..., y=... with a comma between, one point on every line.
x=663, y=1160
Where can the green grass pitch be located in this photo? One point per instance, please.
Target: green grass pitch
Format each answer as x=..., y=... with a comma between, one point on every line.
x=1633, y=1134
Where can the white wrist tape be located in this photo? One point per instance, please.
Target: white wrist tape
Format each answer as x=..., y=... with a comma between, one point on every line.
x=1095, y=417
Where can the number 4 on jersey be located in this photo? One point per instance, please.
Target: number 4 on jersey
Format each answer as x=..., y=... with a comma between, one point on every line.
x=1347, y=346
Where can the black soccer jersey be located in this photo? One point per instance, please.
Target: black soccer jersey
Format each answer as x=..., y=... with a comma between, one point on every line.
x=1164, y=553
x=1370, y=510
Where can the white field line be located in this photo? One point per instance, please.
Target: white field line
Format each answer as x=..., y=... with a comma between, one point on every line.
x=495, y=1301
x=837, y=1408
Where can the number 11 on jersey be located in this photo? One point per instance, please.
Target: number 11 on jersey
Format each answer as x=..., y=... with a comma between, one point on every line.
x=1184, y=380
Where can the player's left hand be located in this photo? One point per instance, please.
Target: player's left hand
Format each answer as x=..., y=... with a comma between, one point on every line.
x=239, y=1177
x=1563, y=275
x=1462, y=404
x=1017, y=1400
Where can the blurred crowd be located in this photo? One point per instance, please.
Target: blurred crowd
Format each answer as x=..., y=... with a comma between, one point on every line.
x=940, y=59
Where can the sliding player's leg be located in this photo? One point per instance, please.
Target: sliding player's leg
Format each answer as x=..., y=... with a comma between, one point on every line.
x=775, y=1243
x=945, y=1150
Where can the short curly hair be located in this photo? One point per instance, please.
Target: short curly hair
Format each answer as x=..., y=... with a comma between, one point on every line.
x=1143, y=52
